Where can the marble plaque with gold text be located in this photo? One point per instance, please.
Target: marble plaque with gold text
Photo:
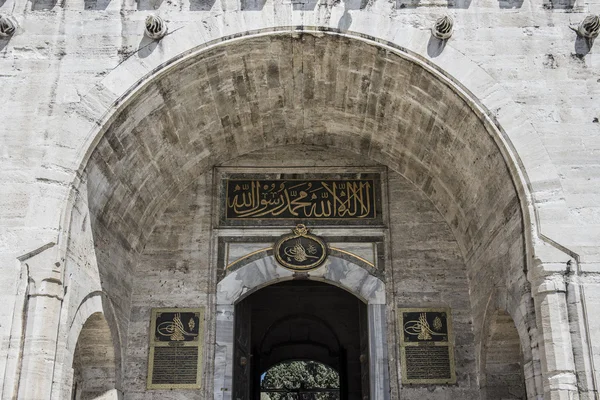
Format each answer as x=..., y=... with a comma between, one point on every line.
x=426, y=346
x=175, y=356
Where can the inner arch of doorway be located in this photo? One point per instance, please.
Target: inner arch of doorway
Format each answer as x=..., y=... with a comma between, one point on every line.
x=262, y=272
x=343, y=273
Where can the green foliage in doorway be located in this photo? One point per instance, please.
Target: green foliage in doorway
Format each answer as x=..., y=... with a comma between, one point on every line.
x=300, y=380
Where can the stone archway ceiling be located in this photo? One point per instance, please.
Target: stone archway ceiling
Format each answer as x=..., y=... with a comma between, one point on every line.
x=275, y=90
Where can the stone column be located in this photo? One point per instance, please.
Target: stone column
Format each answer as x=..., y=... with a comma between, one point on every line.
x=558, y=368
x=532, y=371
x=378, y=357
x=14, y=350
x=43, y=305
x=223, y=375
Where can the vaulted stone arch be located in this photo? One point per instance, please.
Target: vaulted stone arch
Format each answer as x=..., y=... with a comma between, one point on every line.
x=267, y=90
x=252, y=94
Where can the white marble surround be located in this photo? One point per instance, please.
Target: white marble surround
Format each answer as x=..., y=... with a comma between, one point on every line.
x=336, y=271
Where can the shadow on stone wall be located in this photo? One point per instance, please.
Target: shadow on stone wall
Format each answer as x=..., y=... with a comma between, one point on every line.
x=143, y=5
x=357, y=4
x=345, y=22
x=559, y=4
x=146, y=46
x=42, y=5
x=503, y=360
x=253, y=5
x=461, y=4
x=508, y=4
x=98, y=5
x=4, y=43
x=205, y=5
x=435, y=46
x=304, y=5
x=94, y=362
x=400, y=4
x=583, y=46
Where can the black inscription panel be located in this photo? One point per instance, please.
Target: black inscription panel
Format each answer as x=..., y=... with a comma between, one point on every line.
x=175, y=356
x=300, y=199
x=428, y=362
x=426, y=346
x=175, y=365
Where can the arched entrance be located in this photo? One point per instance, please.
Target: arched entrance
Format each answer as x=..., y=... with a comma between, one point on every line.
x=94, y=362
x=503, y=360
x=374, y=101
x=301, y=320
x=335, y=316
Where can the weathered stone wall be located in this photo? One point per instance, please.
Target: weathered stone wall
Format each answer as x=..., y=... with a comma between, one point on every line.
x=439, y=149
x=173, y=271
x=503, y=374
x=429, y=271
x=70, y=60
x=94, y=363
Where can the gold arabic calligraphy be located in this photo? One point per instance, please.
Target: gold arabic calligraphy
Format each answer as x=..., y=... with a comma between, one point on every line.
x=175, y=330
x=421, y=327
x=299, y=253
x=301, y=199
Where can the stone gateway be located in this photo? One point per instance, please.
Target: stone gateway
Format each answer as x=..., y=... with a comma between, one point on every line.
x=272, y=199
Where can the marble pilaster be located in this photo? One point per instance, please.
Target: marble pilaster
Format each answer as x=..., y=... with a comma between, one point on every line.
x=558, y=368
x=43, y=305
x=378, y=367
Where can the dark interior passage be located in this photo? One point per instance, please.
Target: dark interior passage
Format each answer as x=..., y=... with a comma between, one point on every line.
x=301, y=320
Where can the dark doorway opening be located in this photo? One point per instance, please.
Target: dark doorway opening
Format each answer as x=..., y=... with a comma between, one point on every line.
x=301, y=321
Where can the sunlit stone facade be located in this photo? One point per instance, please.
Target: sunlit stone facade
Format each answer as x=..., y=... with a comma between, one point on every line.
x=122, y=120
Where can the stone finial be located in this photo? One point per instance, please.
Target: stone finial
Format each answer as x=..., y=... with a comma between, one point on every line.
x=442, y=29
x=7, y=26
x=156, y=28
x=589, y=27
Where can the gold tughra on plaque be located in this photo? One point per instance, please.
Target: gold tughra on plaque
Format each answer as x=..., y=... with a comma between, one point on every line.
x=300, y=251
x=175, y=356
x=426, y=346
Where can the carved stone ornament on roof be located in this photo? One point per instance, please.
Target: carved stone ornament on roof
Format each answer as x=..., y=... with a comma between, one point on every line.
x=156, y=27
x=589, y=27
x=442, y=29
x=7, y=25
